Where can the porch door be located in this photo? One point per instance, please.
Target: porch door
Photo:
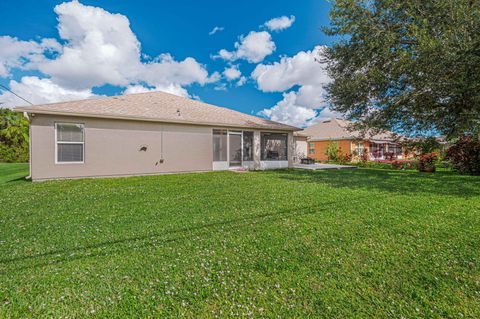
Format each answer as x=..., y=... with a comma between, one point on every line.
x=235, y=149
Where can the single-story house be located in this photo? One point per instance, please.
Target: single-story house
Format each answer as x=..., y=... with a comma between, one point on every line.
x=150, y=133
x=351, y=143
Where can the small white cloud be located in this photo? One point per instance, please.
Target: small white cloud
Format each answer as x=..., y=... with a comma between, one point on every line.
x=280, y=23
x=134, y=89
x=171, y=88
x=232, y=73
x=165, y=70
x=220, y=87
x=224, y=54
x=253, y=47
x=214, y=77
x=241, y=81
x=216, y=30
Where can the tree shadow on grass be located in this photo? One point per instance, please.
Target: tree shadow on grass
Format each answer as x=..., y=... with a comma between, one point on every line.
x=400, y=182
x=157, y=239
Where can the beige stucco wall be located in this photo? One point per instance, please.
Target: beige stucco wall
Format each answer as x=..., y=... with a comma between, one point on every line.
x=300, y=148
x=112, y=148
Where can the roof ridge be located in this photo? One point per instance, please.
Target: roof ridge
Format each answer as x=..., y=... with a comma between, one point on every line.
x=156, y=105
x=105, y=97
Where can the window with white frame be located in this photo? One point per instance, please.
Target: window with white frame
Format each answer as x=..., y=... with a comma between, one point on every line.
x=311, y=148
x=70, y=142
x=359, y=148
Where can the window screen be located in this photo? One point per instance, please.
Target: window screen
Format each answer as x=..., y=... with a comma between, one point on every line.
x=274, y=146
x=247, y=146
x=377, y=150
x=70, y=142
x=219, y=145
x=395, y=149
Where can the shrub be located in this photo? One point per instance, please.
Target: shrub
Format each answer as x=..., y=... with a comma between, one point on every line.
x=333, y=152
x=464, y=155
x=377, y=165
x=9, y=154
x=13, y=137
x=402, y=164
x=426, y=162
x=364, y=156
x=344, y=158
x=397, y=164
x=390, y=156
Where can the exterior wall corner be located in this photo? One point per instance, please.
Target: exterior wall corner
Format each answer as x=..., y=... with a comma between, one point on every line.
x=256, y=150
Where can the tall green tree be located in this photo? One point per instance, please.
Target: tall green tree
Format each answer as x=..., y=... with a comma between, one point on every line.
x=408, y=65
x=13, y=137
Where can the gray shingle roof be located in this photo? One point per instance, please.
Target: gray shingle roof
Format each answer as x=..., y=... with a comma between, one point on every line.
x=157, y=106
x=337, y=129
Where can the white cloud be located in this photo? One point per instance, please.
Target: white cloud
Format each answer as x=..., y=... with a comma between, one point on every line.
x=300, y=106
x=241, y=81
x=325, y=114
x=301, y=69
x=224, y=54
x=232, y=73
x=280, y=23
x=39, y=91
x=100, y=48
x=165, y=71
x=171, y=88
x=288, y=111
x=253, y=47
x=214, y=77
x=23, y=54
x=220, y=87
x=216, y=30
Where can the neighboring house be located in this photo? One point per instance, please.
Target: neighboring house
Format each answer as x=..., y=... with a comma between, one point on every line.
x=150, y=133
x=352, y=143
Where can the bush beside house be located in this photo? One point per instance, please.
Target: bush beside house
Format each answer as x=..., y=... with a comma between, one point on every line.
x=464, y=155
x=13, y=137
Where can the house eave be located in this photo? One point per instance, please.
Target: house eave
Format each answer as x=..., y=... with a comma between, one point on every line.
x=147, y=119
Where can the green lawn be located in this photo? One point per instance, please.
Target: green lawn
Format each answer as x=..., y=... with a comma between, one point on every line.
x=328, y=244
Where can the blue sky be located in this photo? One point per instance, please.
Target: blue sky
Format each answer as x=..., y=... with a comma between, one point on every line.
x=178, y=28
